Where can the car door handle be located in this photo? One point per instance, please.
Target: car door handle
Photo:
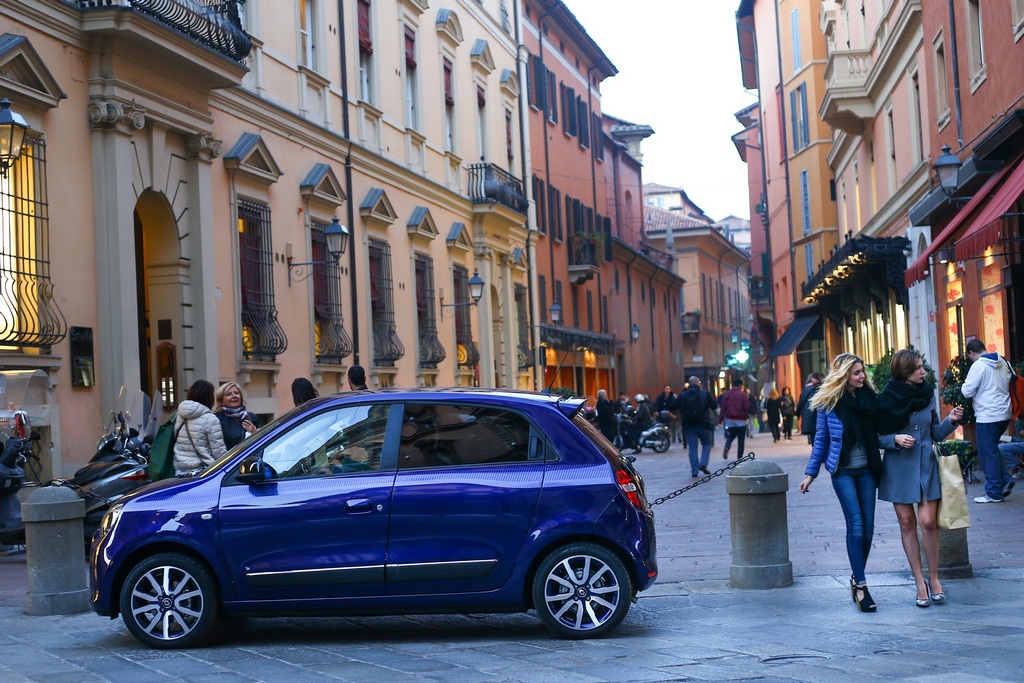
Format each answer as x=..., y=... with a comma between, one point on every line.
x=358, y=505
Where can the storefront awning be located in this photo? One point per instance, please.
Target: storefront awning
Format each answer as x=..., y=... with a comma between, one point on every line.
x=793, y=335
x=919, y=269
x=987, y=228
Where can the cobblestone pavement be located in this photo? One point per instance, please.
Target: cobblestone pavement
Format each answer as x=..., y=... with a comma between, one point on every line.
x=690, y=626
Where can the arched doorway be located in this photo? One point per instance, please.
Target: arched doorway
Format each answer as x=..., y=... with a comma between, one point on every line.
x=159, y=278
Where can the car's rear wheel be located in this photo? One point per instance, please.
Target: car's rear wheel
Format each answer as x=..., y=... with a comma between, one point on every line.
x=661, y=443
x=582, y=590
x=169, y=601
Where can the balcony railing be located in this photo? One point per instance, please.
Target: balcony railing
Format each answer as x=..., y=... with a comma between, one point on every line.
x=490, y=184
x=760, y=291
x=213, y=23
x=585, y=253
x=847, y=102
x=691, y=322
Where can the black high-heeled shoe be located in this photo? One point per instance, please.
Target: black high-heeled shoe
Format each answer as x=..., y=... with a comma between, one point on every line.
x=853, y=589
x=862, y=596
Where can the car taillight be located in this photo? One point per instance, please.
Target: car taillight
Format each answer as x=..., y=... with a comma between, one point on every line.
x=137, y=475
x=629, y=487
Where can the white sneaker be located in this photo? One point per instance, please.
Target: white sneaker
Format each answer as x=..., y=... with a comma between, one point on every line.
x=986, y=499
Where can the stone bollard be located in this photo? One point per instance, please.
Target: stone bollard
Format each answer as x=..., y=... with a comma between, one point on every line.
x=954, y=562
x=54, y=546
x=759, y=526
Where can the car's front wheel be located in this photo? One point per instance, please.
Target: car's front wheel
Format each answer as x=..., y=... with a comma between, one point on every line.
x=582, y=590
x=169, y=601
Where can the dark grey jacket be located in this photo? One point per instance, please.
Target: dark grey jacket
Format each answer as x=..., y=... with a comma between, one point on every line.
x=808, y=417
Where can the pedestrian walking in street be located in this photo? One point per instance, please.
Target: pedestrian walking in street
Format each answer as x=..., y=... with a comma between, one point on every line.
x=773, y=406
x=846, y=442
x=606, y=421
x=988, y=385
x=787, y=408
x=735, y=409
x=199, y=440
x=908, y=425
x=356, y=378
x=303, y=390
x=665, y=407
x=697, y=409
x=236, y=422
x=808, y=416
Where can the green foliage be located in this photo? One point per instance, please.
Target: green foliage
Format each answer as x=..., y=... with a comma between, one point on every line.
x=952, y=379
x=961, y=449
x=881, y=374
x=564, y=392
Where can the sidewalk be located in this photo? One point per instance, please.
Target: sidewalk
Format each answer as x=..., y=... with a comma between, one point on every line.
x=689, y=626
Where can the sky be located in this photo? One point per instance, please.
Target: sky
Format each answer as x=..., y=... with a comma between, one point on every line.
x=679, y=73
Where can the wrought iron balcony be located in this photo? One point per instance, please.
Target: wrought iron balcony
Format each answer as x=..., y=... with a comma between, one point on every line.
x=760, y=291
x=490, y=184
x=585, y=253
x=691, y=322
x=213, y=23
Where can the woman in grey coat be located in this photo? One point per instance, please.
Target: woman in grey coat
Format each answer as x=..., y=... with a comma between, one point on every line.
x=908, y=424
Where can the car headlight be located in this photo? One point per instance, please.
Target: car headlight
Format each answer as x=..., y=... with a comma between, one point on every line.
x=111, y=518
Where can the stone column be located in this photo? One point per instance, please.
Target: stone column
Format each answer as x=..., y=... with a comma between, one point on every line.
x=759, y=526
x=203, y=149
x=113, y=123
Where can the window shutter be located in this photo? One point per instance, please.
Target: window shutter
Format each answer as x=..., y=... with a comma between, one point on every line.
x=540, y=80
x=793, y=116
x=552, y=101
x=449, y=95
x=365, y=43
x=410, y=48
x=805, y=130
x=805, y=201
x=794, y=27
x=481, y=97
x=508, y=133
x=572, y=111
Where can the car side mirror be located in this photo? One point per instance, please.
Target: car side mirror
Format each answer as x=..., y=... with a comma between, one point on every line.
x=255, y=471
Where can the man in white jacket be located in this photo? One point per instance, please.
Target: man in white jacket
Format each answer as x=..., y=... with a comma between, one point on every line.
x=988, y=384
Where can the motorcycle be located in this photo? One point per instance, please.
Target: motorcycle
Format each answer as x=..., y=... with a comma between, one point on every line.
x=657, y=437
x=120, y=464
x=17, y=451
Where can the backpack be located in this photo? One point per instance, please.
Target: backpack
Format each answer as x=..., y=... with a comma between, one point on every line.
x=1016, y=391
x=692, y=405
x=161, y=454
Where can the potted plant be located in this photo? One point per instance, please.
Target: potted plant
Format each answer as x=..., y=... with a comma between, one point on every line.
x=952, y=379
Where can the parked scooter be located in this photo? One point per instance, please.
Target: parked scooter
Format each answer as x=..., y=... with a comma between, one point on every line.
x=120, y=464
x=657, y=437
x=17, y=451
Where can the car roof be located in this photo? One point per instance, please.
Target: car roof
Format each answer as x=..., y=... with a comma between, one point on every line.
x=497, y=395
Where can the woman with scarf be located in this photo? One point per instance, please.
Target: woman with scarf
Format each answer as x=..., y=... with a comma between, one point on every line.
x=236, y=422
x=846, y=442
x=908, y=424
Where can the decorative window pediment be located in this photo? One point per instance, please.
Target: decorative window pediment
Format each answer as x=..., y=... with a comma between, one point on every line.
x=23, y=72
x=251, y=158
x=481, y=57
x=458, y=237
x=321, y=185
x=516, y=257
x=417, y=6
x=509, y=83
x=377, y=207
x=421, y=224
x=448, y=27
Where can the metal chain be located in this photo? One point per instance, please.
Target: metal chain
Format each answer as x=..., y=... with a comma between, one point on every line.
x=79, y=490
x=705, y=479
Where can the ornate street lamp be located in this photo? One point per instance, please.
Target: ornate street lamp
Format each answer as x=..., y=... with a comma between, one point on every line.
x=634, y=333
x=336, y=236
x=555, y=312
x=12, y=135
x=947, y=168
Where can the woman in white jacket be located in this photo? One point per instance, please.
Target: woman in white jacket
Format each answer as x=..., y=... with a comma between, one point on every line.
x=198, y=439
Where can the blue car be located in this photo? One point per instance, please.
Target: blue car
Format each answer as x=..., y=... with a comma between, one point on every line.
x=388, y=502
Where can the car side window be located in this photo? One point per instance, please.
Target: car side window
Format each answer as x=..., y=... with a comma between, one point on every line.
x=439, y=435
x=341, y=441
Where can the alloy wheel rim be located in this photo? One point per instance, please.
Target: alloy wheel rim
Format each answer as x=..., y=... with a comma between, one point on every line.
x=167, y=603
x=581, y=592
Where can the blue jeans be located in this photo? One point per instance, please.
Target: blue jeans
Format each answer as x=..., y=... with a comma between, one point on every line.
x=693, y=434
x=1011, y=454
x=986, y=437
x=857, y=491
x=738, y=433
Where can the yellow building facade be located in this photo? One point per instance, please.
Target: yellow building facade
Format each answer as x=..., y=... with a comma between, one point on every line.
x=186, y=169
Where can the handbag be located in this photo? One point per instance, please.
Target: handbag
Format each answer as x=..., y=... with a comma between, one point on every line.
x=953, y=513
